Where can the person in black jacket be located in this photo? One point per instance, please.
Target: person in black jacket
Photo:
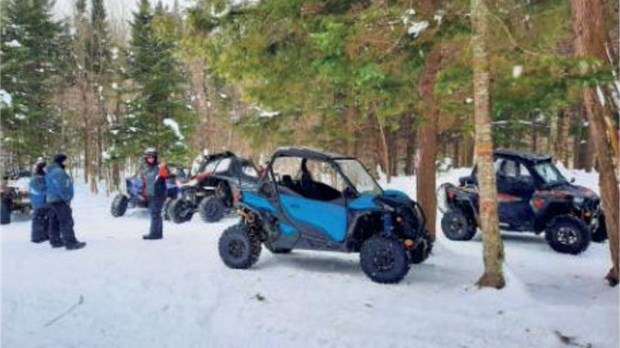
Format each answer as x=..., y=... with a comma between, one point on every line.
x=59, y=195
x=155, y=175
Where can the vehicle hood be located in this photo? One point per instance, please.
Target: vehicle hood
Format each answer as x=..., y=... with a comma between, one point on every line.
x=371, y=202
x=570, y=190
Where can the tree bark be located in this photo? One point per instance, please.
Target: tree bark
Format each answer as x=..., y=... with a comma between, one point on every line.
x=493, y=248
x=564, y=147
x=427, y=139
x=590, y=38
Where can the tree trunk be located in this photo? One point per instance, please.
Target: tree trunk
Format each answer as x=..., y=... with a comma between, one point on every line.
x=564, y=147
x=385, y=153
x=427, y=139
x=554, y=143
x=590, y=38
x=493, y=248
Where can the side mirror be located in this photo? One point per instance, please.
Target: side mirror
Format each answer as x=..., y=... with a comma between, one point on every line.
x=572, y=180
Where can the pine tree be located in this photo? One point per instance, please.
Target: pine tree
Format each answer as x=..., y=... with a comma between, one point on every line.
x=30, y=43
x=159, y=115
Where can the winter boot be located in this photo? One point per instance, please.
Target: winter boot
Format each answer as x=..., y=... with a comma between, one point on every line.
x=75, y=246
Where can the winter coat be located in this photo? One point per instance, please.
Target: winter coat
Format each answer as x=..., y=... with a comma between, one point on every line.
x=37, y=191
x=155, y=179
x=59, y=185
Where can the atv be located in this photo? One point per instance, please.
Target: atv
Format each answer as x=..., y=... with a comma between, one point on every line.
x=532, y=195
x=322, y=201
x=135, y=196
x=211, y=190
x=15, y=195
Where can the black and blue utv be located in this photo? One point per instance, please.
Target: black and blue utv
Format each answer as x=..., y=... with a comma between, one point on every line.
x=322, y=201
x=533, y=196
x=135, y=196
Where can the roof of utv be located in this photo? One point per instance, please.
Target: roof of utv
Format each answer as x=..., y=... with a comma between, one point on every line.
x=524, y=156
x=308, y=153
x=224, y=154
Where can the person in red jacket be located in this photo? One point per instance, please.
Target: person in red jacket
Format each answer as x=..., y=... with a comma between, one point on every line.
x=155, y=175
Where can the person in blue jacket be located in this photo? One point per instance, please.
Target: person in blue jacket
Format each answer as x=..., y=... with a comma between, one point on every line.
x=59, y=195
x=40, y=219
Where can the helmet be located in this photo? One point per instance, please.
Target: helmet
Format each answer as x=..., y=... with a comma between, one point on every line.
x=150, y=152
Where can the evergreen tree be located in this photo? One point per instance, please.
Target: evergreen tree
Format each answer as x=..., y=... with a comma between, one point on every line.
x=30, y=44
x=159, y=115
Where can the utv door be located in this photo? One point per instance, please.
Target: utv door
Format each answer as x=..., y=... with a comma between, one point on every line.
x=311, y=199
x=515, y=187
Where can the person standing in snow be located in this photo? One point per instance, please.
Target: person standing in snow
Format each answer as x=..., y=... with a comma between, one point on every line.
x=155, y=175
x=59, y=195
x=40, y=219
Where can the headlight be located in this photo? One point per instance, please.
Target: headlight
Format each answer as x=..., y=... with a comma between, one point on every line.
x=578, y=200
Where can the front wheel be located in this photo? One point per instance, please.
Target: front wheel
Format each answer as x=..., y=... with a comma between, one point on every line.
x=180, y=211
x=567, y=234
x=119, y=205
x=457, y=226
x=384, y=260
x=239, y=248
x=211, y=209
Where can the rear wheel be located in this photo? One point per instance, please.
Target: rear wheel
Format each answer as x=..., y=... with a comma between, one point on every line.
x=567, y=234
x=239, y=248
x=180, y=211
x=211, y=209
x=384, y=260
x=457, y=226
x=119, y=205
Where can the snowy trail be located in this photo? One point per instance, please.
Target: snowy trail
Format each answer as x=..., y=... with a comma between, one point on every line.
x=177, y=293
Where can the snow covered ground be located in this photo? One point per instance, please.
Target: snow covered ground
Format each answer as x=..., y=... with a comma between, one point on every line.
x=121, y=291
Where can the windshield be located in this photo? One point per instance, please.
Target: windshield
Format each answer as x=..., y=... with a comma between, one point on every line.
x=359, y=177
x=549, y=174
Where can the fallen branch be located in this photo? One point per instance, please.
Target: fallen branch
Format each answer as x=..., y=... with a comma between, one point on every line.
x=69, y=310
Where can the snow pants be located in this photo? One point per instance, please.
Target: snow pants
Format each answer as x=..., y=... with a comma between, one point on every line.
x=40, y=224
x=156, y=204
x=61, y=224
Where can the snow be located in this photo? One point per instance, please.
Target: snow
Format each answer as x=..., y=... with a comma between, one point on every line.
x=6, y=98
x=417, y=28
x=14, y=44
x=175, y=127
x=177, y=293
x=517, y=70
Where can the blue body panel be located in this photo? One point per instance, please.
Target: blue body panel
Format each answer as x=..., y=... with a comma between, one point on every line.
x=364, y=202
x=397, y=194
x=257, y=202
x=328, y=218
x=288, y=229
